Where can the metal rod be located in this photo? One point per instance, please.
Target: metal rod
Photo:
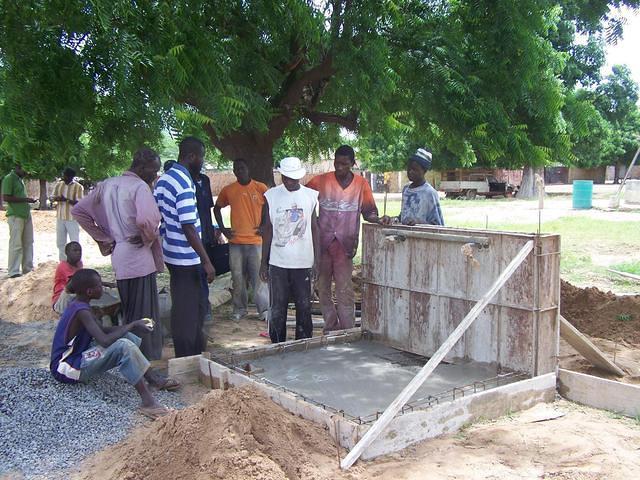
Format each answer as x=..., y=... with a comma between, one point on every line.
x=484, y=241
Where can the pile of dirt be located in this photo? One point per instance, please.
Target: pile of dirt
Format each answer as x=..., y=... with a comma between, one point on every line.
x=28, y=298
x=602, y=314
x=235, y=434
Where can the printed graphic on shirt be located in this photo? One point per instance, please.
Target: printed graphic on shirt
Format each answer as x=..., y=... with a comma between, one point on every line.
x=339, y=205
x=415, y=209
x=290, y=226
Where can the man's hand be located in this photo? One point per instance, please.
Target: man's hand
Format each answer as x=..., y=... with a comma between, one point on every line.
x=385, y=220
x=106, y=248
x=264, y=272
x=109, y=284
x=31, y=200
x=410, y=221
x=210, y=271
x=259, y=230
x=314, y=272
x=136, y=240
x=141, y=325
x=227, y=233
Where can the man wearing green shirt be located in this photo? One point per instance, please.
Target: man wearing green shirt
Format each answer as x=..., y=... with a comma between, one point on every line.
x=19, y=220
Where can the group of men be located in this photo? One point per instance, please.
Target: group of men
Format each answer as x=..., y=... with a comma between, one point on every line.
x=281, y=239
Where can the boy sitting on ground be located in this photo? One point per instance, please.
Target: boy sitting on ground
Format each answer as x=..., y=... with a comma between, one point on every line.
x=420, y=201
x=74, y=356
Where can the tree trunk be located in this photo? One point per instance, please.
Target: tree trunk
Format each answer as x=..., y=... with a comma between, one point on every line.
x=257, y=151
x=43, y=195
x=528, y=187
x=616, y=173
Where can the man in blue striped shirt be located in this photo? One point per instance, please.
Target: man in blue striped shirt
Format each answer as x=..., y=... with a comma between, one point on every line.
x=182, y=247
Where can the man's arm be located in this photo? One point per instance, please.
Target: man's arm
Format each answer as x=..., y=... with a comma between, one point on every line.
x=85, y=213
x=12, y=199
x=217, y=213
x=315, y=236
x=267, y=236
x=106, y=339
x=193, y=238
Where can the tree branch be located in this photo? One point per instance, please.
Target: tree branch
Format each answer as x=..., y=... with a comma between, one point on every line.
x=349, y=121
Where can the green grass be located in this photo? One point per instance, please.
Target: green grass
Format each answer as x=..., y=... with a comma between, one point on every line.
x=628, y=267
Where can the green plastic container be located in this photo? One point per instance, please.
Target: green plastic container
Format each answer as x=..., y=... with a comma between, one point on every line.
x=582, y=194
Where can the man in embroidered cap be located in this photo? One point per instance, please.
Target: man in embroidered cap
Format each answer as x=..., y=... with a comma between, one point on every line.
x=420, y=202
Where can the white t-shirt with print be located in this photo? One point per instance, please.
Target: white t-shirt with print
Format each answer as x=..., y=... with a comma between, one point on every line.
x=290, y=214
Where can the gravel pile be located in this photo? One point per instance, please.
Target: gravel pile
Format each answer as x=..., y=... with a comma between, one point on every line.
x=47, y=427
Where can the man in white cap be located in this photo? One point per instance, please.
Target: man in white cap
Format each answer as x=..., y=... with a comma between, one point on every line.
x=290, y=249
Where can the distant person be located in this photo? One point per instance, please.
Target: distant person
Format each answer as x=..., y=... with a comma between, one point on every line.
x=66, y=193
x=420, y=201
x=204, y=203
x=121, y=215
x=290, y=249
x=182, y=247
x=74, y=357
x=342, y=197
x=246, y=198
x=20, y=224
x=64, y=271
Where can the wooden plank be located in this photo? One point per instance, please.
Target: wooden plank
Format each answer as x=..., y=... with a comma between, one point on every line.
x=625, y=274
x=596, y=392
x=586, y=348
x=434, y=361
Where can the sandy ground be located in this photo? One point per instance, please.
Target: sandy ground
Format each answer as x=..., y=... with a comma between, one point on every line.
x=582, y=444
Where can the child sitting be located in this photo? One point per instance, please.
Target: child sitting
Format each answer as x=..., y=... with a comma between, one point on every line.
x=420, y=201
x=65, y=270
x=75, y=359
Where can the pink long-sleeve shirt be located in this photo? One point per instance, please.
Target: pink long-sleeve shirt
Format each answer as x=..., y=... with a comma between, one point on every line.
x=120, y=208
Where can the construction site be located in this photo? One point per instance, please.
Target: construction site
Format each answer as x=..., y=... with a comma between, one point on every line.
x=471, y=358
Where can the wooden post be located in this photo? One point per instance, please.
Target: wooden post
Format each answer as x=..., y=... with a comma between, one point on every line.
x=406, y=394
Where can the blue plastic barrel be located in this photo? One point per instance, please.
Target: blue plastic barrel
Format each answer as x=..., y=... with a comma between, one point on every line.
x=582, y=194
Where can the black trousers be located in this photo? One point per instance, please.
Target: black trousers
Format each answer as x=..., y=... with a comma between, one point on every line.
x=187, y=312
x=139, y=299
x=285, y=283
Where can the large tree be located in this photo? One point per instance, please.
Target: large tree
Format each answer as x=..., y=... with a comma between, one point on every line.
x=477, y=79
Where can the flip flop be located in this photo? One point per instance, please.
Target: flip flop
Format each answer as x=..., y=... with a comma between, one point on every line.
x=154, y=412
x=264, y=334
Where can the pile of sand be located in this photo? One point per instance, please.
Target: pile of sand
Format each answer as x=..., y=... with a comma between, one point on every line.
x=235, y=434
x=28, y=298
x=602, y=314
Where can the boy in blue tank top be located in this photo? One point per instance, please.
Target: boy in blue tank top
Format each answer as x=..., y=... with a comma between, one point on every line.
x=82, y=348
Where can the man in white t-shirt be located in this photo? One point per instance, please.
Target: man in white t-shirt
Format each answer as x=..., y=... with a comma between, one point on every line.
x=290, y=249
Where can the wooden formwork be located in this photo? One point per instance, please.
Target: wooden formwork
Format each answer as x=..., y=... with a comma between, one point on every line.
x=417, y=288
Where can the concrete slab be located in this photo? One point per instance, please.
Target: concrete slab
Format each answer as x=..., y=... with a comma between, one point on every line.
x=362, y=378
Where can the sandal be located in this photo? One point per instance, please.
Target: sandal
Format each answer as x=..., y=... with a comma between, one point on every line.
x=154, y=412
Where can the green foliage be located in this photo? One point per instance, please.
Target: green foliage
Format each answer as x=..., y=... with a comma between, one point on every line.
x=476, y=80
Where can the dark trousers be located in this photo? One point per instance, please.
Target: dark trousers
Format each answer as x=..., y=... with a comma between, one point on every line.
x=285, y=283
x=139, y=299
x=187, y=314
x=204, y=293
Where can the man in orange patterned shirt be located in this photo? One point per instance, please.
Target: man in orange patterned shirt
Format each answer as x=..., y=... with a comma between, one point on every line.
x=343, y=197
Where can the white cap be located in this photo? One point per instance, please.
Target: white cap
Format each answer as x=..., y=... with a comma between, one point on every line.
x=292, y=167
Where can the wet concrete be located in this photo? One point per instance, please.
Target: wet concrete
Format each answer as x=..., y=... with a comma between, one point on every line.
x=361, y=378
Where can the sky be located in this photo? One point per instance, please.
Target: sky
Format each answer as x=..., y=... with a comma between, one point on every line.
x=627, y=50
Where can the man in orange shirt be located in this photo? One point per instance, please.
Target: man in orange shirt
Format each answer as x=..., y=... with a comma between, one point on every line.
x=343, y=197
x=246, y=198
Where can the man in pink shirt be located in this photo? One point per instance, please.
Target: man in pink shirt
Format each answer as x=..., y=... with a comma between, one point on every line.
x=122, y=216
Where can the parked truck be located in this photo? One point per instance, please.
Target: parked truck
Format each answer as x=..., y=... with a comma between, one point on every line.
x=457, y=183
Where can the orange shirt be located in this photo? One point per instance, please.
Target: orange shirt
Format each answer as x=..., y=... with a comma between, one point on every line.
x=64, y=272
x=340, y=209
x=246, y=203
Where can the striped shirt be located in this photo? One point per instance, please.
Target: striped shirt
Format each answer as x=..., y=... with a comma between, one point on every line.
x=176, y=197
x=73, y=191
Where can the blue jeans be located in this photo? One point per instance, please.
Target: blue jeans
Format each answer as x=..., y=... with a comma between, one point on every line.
x=124, y=353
